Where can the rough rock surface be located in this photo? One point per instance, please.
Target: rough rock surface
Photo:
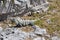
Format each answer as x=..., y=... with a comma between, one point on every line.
x=19, y=34
x=55, y=38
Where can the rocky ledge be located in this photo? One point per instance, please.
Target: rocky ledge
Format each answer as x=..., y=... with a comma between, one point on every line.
x=18, y=34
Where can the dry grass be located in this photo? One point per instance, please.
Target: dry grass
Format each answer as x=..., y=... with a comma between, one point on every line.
x=27, y=29
x=54, y=17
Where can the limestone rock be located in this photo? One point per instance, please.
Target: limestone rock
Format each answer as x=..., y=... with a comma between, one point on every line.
x=40, y=31
x=39, y=38
x=55, y=38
